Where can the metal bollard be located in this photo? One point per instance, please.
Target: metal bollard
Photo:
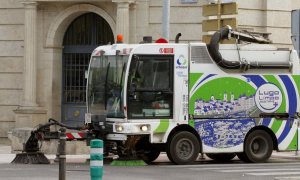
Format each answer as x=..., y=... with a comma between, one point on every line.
x=62, y=154
x=96, y=159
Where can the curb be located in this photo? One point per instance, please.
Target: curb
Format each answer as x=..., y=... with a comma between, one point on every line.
x=286, y=156
x=287, y=178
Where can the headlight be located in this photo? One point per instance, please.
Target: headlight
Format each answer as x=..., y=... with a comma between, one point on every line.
x=119, y=128
x=145, y=128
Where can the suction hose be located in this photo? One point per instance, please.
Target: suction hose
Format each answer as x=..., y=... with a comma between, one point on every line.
x=214, y=52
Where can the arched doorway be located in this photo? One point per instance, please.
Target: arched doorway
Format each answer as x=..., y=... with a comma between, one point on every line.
x=83, y=35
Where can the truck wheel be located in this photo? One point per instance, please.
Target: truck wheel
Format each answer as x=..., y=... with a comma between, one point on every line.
x=151, y=155
x=221, y=157
x=146, y=151
x=242, y=157
x=183, y=148
x=258, y=146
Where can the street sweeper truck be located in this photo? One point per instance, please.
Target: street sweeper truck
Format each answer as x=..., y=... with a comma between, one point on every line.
x=189, y=98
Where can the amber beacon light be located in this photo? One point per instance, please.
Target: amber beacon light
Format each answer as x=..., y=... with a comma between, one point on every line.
x=119, y=38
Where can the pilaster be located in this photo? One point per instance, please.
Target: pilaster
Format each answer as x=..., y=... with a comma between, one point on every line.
x=132, y=22
x=29, y=114
x=123, y=18
x=30, y=54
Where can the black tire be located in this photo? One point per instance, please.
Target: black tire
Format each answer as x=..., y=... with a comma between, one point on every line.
x=258, y=146
x=169, y=155
x=146, y=151
x=242, y=157
x=150, y=155
x=221, y=157
x=183, y=148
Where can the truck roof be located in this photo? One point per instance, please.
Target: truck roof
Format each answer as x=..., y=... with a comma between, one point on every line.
x=126, y=48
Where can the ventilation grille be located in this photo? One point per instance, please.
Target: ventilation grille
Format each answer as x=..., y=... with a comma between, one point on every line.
x=199, y=55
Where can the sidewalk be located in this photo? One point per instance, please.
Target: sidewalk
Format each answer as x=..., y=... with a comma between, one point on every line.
x=286, y=155
x=6, y=156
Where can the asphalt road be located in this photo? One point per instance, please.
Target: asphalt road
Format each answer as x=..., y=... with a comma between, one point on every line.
x=276, y=168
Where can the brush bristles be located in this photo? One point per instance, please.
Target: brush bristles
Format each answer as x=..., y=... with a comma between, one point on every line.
x=31, y=158
x=128, y=163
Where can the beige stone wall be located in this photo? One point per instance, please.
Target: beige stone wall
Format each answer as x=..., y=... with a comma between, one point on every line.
x=11, y=60
x=270, y=16
x=184, y=18
x=295, y=4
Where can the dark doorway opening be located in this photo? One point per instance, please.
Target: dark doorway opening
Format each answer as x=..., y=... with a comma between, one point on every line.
x=83, y=35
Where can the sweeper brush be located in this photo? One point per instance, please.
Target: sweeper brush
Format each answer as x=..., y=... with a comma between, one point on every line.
x=31, y=153
x=129, y=155
x=31, y=158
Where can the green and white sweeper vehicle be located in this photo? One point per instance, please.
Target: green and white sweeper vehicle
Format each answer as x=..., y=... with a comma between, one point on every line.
x=221, y=100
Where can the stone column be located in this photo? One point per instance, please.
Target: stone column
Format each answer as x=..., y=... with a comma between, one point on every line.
x=29, y=114
x=30, y=55
x=123, y=18
x=132, y=23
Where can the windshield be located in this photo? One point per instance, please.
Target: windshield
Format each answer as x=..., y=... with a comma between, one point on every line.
x=105, y=85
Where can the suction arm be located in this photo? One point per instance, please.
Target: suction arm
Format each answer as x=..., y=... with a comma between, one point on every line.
x=226, y=33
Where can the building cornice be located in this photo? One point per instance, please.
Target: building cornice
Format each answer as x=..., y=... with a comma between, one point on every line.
x=123, y=1
x=82, y=1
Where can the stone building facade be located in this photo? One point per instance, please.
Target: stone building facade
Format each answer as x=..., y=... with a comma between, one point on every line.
x=33, y=45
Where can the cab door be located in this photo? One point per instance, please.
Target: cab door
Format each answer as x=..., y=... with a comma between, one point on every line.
x=150, y=87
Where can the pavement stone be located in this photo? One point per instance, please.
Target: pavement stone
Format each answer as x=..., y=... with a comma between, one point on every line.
x=6, y=156
x=287, y=155
x=287, y=178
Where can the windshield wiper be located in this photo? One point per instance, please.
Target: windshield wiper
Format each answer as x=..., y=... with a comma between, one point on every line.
x=105, y=86
x=166, y=91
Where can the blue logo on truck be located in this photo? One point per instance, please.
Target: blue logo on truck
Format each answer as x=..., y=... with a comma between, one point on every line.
x=268, y=98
